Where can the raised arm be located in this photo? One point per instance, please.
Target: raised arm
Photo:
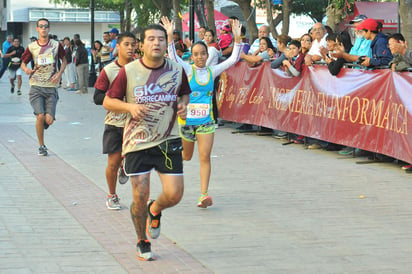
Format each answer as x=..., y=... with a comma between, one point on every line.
x=237, y=50
x=168, y=25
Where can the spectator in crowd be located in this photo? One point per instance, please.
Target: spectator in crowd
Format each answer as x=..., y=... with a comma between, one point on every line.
x=70, y=71
x=261, y=55
x=97, y=53
x=295, y=59
x=76, y=37
x=398, y=48
x=339, y=41
x=183, y=52
x=319, y=40
x=177, y=38
x=105, y=58
x=306, y=43
x=201, y=33
x=282, y=41
x=113, y=41
x=362, y=46
x=225, y=40
x=6, y=45
x=213, y=48
x=263, y=32
x=214, y=53
x=245, y=41
x=329, y=30
x=402, y=48
x=14, y=53
x=381, y=54
x=228, y=50
x=82, y=67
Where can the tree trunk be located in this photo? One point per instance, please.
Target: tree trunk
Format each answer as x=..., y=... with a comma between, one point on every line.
x=128, y=22
x=122, y=20
x=164, y=6
x=334, y=17
x=210, y=7
x=200, y=12
x=285, y=16
x=250, y=18
x=269, y=17
x=405, y=11
x=176, y=17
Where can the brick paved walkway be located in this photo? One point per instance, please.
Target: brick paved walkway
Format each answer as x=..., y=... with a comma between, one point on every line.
x=277, y=209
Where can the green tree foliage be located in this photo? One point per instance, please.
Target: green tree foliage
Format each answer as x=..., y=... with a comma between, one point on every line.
x=313, y=8
x=144, y=11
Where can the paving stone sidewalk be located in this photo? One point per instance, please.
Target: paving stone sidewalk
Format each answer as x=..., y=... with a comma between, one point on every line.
x=277, y=209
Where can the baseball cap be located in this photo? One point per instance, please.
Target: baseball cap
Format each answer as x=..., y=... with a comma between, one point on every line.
x=358, y=18
x=368, y=24
x=114, y=30
x=227, y=28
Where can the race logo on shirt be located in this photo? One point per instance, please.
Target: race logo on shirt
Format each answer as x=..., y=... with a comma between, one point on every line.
x=160, y=91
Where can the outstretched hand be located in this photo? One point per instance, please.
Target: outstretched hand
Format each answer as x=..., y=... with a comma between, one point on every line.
x=168, y=25
x=236, y=30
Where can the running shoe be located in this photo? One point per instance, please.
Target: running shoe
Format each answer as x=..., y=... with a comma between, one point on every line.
x=19, y=92
x=123, y=178
x=204, y=201
x=300, y=139
x=406, y=167
x=112, y=202
x=315, y=146
x=280, y=135
x=43, y=151
x=153, y=222
x=144, y=251
x=12, y=90
x=347, y=151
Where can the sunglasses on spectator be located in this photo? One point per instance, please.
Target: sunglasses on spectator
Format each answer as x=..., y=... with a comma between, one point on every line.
x=43, y=26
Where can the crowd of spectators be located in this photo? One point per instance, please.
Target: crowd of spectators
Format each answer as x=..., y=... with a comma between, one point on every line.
x=369, y=48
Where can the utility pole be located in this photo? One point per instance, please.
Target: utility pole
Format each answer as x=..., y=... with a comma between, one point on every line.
x=92, y=73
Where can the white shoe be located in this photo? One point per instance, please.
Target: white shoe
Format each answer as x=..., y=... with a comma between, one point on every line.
x=78, y=91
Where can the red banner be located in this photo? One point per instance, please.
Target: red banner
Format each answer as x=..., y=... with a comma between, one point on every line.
x=358, y=108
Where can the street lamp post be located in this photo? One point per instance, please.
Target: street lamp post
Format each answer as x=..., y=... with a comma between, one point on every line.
x=192, y=20
x=92, y=73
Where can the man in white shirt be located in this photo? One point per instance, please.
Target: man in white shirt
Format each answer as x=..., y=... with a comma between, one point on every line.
x=319, y=34
x=263, y=32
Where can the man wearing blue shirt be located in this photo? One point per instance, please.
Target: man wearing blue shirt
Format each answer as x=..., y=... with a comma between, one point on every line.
x=6, y=45
x=362, y=46
x=113, y=35
x=381, y=55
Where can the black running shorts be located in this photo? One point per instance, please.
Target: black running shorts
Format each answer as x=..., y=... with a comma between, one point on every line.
x=112, y=139
x=164, y=161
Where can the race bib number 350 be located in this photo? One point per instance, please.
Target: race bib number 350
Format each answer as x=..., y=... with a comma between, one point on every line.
x=196, y=111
